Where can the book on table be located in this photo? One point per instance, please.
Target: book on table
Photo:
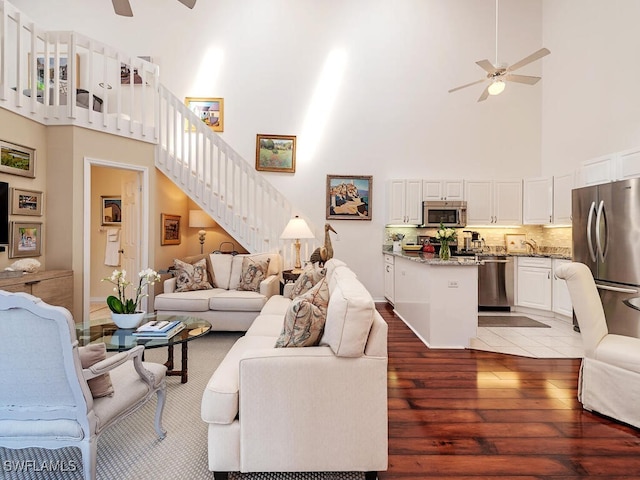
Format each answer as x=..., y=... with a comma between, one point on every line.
x=161, y=330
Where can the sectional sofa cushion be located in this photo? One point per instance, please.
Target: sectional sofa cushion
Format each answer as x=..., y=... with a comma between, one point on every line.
x=253, y=272
x=191, y=277
x=100, y=386
x=193, y=301
x=349, y=317
x=305, y=318
x=237, y=301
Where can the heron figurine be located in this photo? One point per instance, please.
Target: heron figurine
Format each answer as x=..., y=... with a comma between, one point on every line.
x=324, y=253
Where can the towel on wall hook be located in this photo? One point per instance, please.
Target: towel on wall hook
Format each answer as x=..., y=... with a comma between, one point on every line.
x=111, y=253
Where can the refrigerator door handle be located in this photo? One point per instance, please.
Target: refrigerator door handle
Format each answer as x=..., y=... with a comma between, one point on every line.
x=592, y=252
x=599, y=217
x=616, y=289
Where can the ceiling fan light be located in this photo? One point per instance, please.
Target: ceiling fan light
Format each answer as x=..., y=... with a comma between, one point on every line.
x=497, y=87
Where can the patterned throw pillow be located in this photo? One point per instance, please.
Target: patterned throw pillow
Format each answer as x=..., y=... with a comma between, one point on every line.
x=253, y=272
x=191, y=277
x=100, y=386
x=305, y=318
x=309, y=277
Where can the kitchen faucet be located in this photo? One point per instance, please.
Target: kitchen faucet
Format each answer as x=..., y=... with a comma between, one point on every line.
x=532, y=243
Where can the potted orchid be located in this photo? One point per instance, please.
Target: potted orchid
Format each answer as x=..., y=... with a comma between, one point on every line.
x=445, y=235
x=124, y=310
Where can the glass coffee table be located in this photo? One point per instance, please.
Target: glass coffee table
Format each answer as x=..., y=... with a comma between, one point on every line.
x=121, y=339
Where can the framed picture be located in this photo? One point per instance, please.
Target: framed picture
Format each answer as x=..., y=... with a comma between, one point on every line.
x=209, y=110
x=170, y=229
x=26, y=239
x=48, y=78
x=276, y=153
x=111, y=210
x=17, y=159
x=349, y=197
x=26, y=202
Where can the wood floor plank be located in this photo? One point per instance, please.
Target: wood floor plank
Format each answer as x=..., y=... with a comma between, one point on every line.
x=471, y=415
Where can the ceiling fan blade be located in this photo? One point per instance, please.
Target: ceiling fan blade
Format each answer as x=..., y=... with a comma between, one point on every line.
x=487, y=66
x=188, y=3
x=529, y=80
x=467, y=85
x=485, y=94
x=527, y=60
x=122, y=7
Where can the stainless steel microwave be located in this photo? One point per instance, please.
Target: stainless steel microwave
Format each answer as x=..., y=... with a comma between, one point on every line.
x=450, y=214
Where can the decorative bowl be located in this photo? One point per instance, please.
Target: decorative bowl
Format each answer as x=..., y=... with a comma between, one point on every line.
x=127, y=320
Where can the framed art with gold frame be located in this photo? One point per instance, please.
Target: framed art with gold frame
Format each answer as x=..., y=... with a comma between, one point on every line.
x=209, y=110
x=276, y=153
x=170, y=229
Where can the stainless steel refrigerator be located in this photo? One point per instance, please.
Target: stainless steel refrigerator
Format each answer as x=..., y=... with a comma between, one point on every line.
x=606, y=237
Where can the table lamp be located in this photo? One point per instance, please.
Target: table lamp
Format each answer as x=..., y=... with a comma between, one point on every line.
x=296, y=229
x=200, y=219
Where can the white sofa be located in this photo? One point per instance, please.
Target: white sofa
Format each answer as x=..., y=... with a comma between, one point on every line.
x=320, y=408
x=227, y=308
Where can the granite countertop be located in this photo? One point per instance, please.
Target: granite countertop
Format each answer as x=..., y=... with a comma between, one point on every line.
x=427, y=258
x=433, y=259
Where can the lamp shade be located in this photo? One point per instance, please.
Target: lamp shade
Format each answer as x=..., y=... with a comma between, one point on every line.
x=497, y=87
x=200, y=219
x=296, y=228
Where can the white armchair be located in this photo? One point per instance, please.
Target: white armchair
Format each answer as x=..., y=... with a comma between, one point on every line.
x=45, y=400
x=609, y=381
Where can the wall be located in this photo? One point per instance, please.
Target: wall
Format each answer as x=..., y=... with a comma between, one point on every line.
x=370, y=100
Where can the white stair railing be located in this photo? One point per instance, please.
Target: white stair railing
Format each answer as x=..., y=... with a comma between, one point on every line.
x=66, y=69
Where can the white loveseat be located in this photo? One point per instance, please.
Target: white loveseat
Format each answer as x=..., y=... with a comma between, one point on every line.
x=320, y=408
x=226, y=307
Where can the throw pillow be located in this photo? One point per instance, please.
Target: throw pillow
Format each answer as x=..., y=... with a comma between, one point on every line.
x=90, y=355
x=210, y=273
x=311, y=275
x=253, y=272
x=191, y=277
x=305, y=318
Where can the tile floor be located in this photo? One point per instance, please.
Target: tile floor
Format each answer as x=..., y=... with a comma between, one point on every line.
x=559, y=341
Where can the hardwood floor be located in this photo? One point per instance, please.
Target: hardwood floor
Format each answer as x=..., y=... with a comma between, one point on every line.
x=469, y=414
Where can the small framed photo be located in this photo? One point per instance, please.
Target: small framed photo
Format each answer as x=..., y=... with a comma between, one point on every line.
x=349, y=197
x=17, y=159
x=111, y=210
x=170, y=229
x=209, y=110
x=26, y=239
x=26, y=202
x=276, y=153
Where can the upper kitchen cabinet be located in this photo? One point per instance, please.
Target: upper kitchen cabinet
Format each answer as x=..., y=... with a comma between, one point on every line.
x=547, y=200
x=405, y=202
x=628, y=164
x=598, y=170
x=494, y=202
x=443, y=190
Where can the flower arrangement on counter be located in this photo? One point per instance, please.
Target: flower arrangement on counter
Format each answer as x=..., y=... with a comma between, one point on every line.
x=445, y=235
x=122, y=304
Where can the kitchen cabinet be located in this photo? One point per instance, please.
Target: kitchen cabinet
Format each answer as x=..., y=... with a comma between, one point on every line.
x=537, y=204
x=628, y=164
x=389, y=281
x=534, y=283
x=598, y=170
x=494, y=202
x=405, y=202
x=443, y=190
x=54, y=287
x=561, y=301
x=562, y=186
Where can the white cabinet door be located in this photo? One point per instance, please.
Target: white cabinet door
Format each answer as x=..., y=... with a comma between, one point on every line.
x=405, y=202
x=432, y=190
x=534, y=287
x=507, y=202
x=537, y=201
x=442, y=190
x=453, y=189
x=598, y=170
x=561, y=298
x=629, y=164
x=388, y=278
x=562, y=186
x=479, y=202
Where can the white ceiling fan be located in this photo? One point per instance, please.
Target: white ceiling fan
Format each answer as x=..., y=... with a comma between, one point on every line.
x=498, y=74
x=123, y=7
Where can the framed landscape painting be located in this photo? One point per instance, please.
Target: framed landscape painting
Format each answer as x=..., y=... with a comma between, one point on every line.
x=26, y=202
x=209, y=110
x=349, y=197
x=26, y=240
x=17, y=160
x=276, y=153
x=170, y=229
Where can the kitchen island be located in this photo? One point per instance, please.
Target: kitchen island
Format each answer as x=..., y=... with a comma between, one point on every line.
x=437, y=299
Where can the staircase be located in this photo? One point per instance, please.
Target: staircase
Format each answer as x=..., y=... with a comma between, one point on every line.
x=129, y=100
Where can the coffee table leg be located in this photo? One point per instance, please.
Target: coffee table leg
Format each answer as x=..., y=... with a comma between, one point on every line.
x=185, y=347
x=169, y=362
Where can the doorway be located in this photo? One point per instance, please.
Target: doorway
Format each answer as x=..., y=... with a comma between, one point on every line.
x=116, y=232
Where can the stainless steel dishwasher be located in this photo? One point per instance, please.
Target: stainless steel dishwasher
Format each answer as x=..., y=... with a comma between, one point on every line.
x=495, y=282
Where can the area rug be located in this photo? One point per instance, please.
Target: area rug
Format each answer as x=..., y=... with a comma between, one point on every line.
x=508, y=321
x=130, y=449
